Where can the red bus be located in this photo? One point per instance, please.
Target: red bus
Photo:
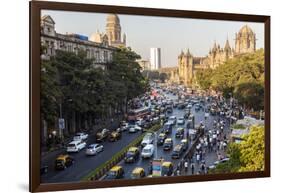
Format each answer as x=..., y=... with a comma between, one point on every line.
x=135, y=114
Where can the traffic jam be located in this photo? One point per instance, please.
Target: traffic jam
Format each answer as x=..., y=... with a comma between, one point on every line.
x=193, y=136
x=177, y=148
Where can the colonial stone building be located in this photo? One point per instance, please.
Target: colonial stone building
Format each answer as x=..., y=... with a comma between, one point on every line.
x=112, y=34
x=245, y=42
x=101, y=51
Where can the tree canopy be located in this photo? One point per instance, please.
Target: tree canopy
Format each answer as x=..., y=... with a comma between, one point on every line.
x=247, y=155
x=241, y=77
x=74, y=82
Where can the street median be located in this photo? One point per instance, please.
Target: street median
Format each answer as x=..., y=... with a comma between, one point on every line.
x=116, y=158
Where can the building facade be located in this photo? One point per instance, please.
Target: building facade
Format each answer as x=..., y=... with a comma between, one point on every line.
x=113, y=32
x=155, y=58
x=101, y=52
x=245, y=42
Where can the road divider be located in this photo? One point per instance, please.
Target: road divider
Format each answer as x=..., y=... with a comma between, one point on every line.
x=116, y=158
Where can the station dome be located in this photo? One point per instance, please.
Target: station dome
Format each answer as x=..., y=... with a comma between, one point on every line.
x=246, y=30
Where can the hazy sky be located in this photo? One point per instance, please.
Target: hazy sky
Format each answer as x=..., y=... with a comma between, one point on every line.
x=170, y=34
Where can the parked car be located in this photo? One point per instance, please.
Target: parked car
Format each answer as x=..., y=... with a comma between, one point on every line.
x=177, y=151
x=75, y=146
x=179, y=132
x=132, y=155
x=161, y=138
x=94, y=149
x=147, y=139
x=181, y=121
x=167, y=168
x=102, y=135
x=116, y=172
x=63, y=161
x=168, y=144
x=138, y=173
x=147, y=151
x=80, y=136
x=114, y=136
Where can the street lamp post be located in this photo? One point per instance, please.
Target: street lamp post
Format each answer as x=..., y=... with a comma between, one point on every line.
x=155, y=144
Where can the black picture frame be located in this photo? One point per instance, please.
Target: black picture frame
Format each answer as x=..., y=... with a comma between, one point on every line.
x=34, y=36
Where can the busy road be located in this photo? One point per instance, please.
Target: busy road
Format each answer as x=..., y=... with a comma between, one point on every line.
x=163, y=106
x=209, y=159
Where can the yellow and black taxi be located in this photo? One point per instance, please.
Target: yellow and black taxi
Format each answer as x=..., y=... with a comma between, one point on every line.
x=63, y=161
x=116, y=172
x=138, y=173
x=114, y=136
x=177, y=151
x=132, y=155
x=167, y=168
x=168, y=144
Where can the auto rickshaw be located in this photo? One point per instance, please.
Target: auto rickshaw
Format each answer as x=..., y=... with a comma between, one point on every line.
x=167, y=168
x=138, y=173
x=116, y=172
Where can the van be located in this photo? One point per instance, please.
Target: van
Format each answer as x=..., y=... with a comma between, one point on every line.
x=75, y=146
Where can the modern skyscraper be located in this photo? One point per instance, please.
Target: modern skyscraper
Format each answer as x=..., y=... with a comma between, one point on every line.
x=155, y=58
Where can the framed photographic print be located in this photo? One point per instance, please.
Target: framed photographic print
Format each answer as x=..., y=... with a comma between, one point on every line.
x=123, y=96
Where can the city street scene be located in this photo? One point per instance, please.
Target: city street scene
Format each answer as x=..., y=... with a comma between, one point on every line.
x=129, y=97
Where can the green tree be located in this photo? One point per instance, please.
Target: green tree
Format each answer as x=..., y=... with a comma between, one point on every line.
x=242, y=77
x=247, y=155
x=50, y=92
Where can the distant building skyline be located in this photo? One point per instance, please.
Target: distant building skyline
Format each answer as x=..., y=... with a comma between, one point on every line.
x=170, y=34
x=155, y=58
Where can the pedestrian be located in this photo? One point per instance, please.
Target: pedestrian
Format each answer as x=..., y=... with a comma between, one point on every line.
x=186, y=166
x=178, y=172
x=198, y=158
x=203, y=168
x=192, y=168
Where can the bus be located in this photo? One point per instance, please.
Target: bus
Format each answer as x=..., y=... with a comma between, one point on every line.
x=136, y=114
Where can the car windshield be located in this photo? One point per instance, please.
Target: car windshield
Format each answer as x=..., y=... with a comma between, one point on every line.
x=71, y=145
x=146, y=150
x=147, y=137
x=165, y=170
x=59, y=161
x=130, y=153
x=91, y=146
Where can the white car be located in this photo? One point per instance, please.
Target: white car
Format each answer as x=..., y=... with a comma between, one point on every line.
x=147, y=151
x=134, y=128
x=124, y=126
x=172, y=119
x=147, y=139
x=180, y=121
x=75, y=146
x=80, y=136
x=94, y=149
